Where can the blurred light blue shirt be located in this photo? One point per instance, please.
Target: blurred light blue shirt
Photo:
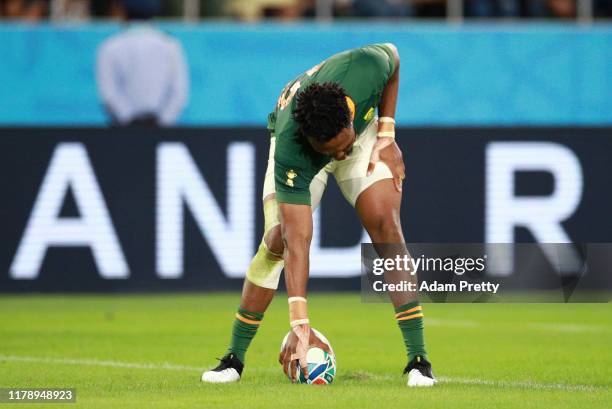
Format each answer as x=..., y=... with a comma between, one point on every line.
x=143, y=71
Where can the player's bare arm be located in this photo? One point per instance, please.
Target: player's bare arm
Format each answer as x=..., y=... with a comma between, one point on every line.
x=386, y=148
x=296, y=228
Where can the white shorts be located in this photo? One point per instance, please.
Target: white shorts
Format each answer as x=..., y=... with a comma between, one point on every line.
x=350, y=173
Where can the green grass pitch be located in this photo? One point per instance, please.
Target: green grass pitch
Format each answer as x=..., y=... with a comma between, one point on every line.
x=148, y=351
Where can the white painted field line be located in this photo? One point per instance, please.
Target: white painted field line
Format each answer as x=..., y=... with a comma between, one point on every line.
x=97, y=362
x=568, y=327
x=542, y=326
x=184, y=368
x=452, y=323
x=501, y=384
x=520, y=384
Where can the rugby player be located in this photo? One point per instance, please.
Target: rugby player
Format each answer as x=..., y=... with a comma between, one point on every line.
x=336, y=118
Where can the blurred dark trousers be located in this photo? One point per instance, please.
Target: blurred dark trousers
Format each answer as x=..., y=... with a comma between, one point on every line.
x=144, y=121
x=492, y=8
x=381, y=8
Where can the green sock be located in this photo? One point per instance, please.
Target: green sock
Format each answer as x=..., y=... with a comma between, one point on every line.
x=245, y=328
x=410, y=320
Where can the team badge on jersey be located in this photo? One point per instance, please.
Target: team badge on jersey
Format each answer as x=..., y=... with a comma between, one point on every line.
x=290, y=176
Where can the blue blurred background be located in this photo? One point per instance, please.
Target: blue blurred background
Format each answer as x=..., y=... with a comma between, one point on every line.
x=507, y=69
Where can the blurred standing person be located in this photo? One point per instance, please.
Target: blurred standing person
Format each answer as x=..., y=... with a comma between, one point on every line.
x=142, y=75
x=339, y=8
x=382, y=8
x=562, y=8
x=492, y=8
x=70, y=10
x=31, y=10
x=253, y=10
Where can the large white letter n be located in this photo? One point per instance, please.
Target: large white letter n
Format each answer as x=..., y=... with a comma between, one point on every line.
x=69, y=168
x=180, y=185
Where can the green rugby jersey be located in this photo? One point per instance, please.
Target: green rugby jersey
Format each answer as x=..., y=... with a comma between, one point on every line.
x=362, y=73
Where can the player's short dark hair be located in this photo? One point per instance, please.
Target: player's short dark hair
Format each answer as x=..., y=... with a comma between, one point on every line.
x=321, y=111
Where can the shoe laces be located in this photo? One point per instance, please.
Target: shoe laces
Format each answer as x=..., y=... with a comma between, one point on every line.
x=419, y=363
x=224, y=363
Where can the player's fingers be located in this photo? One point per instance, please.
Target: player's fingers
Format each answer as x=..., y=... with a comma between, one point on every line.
x=374, y=157
x=304, y=366
x=293, y=370
x=287, y=355
x=285, y=363
x=398, y=183
x=320, y=344
x=371, y=167
x=399, y=175
x=324, y=347
x=300, y=359
x=281, y=356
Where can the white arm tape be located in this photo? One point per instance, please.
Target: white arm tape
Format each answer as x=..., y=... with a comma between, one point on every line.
x=386, y=119
x=295, y=323
x=296, y=299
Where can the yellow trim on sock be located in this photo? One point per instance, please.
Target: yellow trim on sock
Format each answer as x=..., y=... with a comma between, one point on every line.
x=246, y=320
x=410, y=317
x=417, y=308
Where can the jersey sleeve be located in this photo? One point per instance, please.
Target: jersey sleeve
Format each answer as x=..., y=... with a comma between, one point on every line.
x=370, y=69
x=294, y=169
x=292, y=183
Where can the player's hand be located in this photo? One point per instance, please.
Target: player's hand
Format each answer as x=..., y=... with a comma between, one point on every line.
x=301, y=339
x=386, y=150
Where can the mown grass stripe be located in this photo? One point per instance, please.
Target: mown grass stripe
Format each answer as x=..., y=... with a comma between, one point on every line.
x=174, y=367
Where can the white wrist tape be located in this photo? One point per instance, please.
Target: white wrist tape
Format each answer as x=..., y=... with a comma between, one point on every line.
x=296, y=299
x=295, y=323
x=386, y=134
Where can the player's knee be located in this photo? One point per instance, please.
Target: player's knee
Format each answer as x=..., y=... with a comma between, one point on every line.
x=386, y=229
x=274, y=241
x=265, y=268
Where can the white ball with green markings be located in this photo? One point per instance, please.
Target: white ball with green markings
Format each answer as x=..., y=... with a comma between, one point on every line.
x=321, y=364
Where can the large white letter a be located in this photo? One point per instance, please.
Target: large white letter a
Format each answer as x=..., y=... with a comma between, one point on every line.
x=69, y=168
